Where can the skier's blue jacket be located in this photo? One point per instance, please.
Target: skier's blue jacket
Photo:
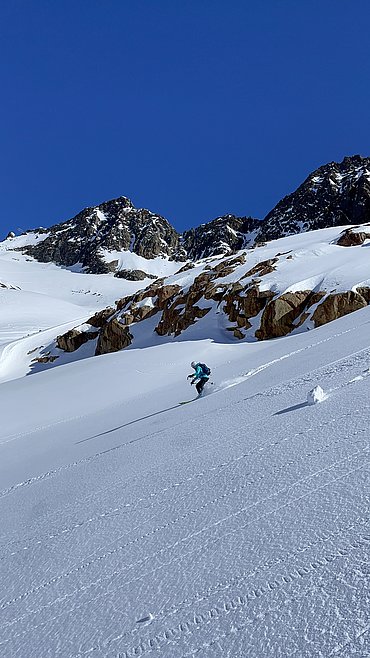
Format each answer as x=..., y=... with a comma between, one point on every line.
x=199, y=373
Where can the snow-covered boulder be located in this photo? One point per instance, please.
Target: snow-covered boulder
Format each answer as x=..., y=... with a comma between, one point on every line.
x=316, y=395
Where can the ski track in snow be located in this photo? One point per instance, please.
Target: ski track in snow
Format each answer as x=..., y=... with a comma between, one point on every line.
x=232, y=605
x=237, y=581
x=327, y=370
x=200, y=475
x=198, y=533
x=121, y=547
x=256, y=476
x=239, y=379
x=236, y=555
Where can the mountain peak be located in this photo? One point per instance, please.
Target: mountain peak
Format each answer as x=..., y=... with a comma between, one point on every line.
x=335, y=194
x=92, y=237
x=355, y=159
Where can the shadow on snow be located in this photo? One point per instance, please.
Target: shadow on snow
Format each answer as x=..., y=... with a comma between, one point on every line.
x=294, y=408
x=132, y=422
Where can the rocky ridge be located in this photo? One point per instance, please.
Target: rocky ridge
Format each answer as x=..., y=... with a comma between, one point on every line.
x=222, y=235
x=333, y=195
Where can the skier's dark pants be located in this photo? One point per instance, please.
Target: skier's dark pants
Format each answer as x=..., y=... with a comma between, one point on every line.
x=200, y=385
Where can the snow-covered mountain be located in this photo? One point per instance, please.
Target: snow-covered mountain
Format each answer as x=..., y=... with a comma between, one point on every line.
x=38, y=301
x=95, y=237
x=334, y=195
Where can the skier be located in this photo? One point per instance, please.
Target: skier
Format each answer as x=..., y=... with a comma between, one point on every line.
x=202, y=373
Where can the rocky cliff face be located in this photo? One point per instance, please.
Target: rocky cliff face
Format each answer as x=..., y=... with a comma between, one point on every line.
x=221, y=236
x=336, y=194
x=259, y=293
x=112, y=226
x=333, y=195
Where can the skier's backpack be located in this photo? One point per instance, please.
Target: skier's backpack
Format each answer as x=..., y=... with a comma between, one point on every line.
x=205, y=369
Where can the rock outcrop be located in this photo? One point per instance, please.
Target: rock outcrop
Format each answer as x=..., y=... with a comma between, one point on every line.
x=352, y=238
x=338, y=304
x=223, y=235
x=114, y=336
x=134, y=275
x=228, y=287
x=100, y=318
x=241, y=303
x=280, y=313
x=47, y=358
x=178, y=309
x=73, y=339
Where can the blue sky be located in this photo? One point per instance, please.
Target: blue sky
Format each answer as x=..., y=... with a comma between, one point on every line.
x=192, y=108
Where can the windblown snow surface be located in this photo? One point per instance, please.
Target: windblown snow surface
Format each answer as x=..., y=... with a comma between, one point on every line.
x=233, y=526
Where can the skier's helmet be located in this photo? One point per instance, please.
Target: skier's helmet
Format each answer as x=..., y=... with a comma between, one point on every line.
x=193, y=364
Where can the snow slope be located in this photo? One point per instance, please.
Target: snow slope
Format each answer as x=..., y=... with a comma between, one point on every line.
x=40, y=301
x=129, y=260
x=306, y=261
x=87, y=290
x=233, y=526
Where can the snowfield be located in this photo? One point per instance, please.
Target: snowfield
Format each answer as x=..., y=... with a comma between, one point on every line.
x=233, y=526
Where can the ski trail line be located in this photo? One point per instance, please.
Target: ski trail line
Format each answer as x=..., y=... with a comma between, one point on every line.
x=255, y=477
x=125, y=483
x=243, y=376
x=86, y=460
x=197, y=596
x=238, y=603
x=255, y=371
x=107, y=593
x=84, y=565
x=235, y=581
